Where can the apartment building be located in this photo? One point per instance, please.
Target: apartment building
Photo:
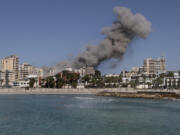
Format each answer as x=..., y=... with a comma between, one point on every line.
x=25, y=69
x=154, y=66
x=9, y=69
x=85, y=71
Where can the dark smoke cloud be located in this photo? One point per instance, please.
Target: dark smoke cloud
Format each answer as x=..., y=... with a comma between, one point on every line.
x=123, y=31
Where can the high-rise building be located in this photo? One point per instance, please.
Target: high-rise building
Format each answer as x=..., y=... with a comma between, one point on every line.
x=154, y=66
x=25, y=69
x=11, y=71
x=9, y=66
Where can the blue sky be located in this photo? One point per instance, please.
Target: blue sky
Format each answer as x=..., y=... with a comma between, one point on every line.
x=43, y=32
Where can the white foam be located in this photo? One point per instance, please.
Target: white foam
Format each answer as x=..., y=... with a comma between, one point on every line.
x=84, y=98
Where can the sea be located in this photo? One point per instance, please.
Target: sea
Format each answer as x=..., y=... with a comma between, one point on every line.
x=87, y=115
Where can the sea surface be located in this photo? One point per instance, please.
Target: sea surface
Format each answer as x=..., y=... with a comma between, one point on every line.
x=87, y=115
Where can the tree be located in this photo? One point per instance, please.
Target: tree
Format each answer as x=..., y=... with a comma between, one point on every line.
x=32, y=82
x=133, y=84
x=144, y=78
x=59, y=82
x=124, y=85
x=74, y=84
x=43, y=82
x=120, y=78
x=149, y=84
x=97, y=73
x=170, y=74
x=178, y=85
x=157, y=82
x=86, y=78
x=100, y=83
x=162, y=75
x=50, y=82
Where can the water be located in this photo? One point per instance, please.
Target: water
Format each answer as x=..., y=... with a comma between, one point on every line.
x=87, y=115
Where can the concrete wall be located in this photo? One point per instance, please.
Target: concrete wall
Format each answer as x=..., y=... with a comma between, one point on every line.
x=77, y=91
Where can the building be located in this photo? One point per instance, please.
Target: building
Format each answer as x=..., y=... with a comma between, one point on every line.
x=38, y=71
x=9, y=67
x=25, y=69
x=81, y=71
x=11, y=71
x=27, y=72
x=172, y=82
x=90, y=71
x=21, y=84
x=154, y=66
x=85, y=71
x=112, y=75
x=135, y=69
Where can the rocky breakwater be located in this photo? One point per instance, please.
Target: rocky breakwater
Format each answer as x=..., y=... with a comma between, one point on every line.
x=142, y=94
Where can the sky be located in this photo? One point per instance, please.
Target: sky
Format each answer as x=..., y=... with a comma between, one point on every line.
x=44, y=32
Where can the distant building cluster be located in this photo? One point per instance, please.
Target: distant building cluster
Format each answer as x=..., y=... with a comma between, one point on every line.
x=152, y=74
x=12, y=73
x=81, y=71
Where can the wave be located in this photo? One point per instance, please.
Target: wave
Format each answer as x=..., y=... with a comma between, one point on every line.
x=84, y=98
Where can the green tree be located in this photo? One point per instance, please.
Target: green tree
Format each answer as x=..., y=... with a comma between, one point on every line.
x=50, y=82
x=178, y=85
x=157, y=82
x=170, y=74
x=124, y=85
x=120, y=78
x=133, y=83
x=97, y=73
x=59, y=82
x=86, y=78
x=100, y=83
x=32, y=82
x=162, y=75
x=74, y=84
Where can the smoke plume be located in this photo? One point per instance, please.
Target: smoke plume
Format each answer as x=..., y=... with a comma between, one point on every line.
x=123, y=31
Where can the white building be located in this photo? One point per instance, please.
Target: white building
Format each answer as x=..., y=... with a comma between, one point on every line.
x=126, y=79
x=21, y=84
x=142, y=86
x=112, y=75
x=172, y=82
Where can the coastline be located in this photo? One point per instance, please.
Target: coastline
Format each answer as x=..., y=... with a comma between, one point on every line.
x=142, y=94
x=21, y=91
x=118, y=92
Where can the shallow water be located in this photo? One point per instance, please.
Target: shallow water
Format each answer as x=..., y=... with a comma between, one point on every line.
x=87, y=115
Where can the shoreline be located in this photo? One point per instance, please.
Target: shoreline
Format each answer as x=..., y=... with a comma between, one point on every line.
x=20, y=91
x=144, y=95
x=115, y=92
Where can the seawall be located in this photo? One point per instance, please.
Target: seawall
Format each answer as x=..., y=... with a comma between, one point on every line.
x=79, y=91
